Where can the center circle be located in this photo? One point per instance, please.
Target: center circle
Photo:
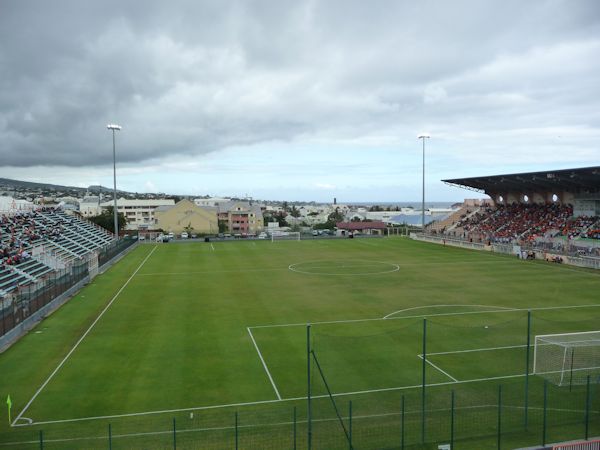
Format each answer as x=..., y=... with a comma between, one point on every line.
x=343, y=267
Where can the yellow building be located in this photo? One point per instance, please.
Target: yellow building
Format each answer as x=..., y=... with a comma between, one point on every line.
x=186, y=216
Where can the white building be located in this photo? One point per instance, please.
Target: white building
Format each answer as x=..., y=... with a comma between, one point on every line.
x=90, y=206
x=212, y=201
x=139, y=213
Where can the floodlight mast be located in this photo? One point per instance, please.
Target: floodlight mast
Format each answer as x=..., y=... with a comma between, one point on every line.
x=423, y=136
x=114, y=127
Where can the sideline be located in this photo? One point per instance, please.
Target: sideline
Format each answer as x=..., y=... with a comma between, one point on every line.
x=45, y=383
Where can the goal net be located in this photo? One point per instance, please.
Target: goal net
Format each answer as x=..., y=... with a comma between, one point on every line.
x=286, y=236
x=568, y=359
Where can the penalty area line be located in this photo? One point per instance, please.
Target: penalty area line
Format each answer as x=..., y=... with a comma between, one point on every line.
x=45, y=383
x=262, y=360
x=439, y=369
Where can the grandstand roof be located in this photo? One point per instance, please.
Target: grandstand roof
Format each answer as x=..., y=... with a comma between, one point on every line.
x=581, y=180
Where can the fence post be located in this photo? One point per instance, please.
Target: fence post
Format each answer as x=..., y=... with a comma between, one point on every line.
x=174, y=435
x=545, y=413
x=236, y=430
x=527, y=357
x=499, y=415
x=423, y=381
x=308, y=390
x=294, y=428
x=350, y=425
x=452, y=419
x=41, y=440
x=587, y=408
x=402, y=425
x=109, y=437
x=571, y=370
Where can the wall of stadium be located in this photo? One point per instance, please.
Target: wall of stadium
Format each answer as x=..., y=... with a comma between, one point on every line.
x=591, y=263
x=586, y=205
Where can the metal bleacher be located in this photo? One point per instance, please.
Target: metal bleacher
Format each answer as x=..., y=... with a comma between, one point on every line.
x=77, y=238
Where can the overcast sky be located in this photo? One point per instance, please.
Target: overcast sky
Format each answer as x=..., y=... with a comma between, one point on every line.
x=297, y=100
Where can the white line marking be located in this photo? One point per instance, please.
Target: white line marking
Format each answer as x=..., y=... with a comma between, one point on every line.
x=419, y=316
x=164, y=411
x=200, y=272
x=387, y=268
x=264, y=364
x=81, y=339
x=477, y=350
x=445, y=306
x=436, y=367
x=212, y=246
x=262, y=402
x=285, y=423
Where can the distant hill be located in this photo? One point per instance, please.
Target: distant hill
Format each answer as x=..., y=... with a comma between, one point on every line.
x=17, y=184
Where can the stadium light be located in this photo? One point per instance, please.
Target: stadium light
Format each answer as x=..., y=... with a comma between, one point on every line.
x=114, y=127
x=423, y=136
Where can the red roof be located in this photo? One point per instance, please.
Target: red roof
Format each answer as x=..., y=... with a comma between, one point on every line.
x=352, y=226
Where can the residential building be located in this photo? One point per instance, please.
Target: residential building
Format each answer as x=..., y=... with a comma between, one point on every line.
x=361, y=227
x=186, y=216
x=212, y=201
x=89, y=206
x=139, y=213
x=241, y=217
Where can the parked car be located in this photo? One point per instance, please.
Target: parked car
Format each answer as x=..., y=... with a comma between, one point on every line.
x=184, y=235
x=262, y=235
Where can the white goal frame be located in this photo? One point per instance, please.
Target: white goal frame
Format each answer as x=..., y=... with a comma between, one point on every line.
x=565, y=345
x=285, y=236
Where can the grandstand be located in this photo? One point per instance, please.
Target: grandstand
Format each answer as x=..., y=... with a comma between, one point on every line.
x=37, y=248
x=552, y=208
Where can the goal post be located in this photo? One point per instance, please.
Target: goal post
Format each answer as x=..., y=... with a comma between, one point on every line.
x=569, y=358
x=285, y=236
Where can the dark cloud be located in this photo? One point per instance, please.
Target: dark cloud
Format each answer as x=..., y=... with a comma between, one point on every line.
x=195, y=77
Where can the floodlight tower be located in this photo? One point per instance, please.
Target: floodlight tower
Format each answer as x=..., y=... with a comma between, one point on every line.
x=423, y=136
x=114, y=127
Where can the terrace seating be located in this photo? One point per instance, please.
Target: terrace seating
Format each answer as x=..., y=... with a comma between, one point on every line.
x=50, y=231
x=523, y=223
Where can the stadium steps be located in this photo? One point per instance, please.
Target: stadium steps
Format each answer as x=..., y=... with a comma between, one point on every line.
x=33, y=268
x=58, y=251
x=450, y=222
x=11, y=279
x=455, y=226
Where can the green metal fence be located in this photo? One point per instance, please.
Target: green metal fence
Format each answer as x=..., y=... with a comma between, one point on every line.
x=463, y=380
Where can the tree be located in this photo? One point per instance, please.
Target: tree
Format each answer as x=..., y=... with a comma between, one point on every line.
x=295, y=212
x=189, y=228
x=106, y=219
x=336, y=216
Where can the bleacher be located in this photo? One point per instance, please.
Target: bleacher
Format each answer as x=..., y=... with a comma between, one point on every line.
x=27, y=239
x=523, y=223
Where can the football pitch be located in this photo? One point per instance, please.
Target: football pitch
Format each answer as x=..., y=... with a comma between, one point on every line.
x=201, y=337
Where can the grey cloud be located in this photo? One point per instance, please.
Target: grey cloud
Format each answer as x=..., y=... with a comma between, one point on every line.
x=198, y=76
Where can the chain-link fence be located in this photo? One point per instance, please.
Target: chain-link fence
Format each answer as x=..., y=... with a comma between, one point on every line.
x=461, y=377
x=28, y=299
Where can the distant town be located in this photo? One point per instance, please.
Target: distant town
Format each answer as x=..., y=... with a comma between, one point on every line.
x=204, y=215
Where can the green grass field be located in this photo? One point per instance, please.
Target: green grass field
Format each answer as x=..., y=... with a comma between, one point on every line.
x=195, y=332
